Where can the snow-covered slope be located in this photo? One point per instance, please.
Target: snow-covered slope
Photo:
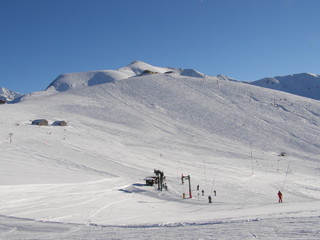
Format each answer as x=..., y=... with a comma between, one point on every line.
x=228, y=136
x=8, y=95
x=69, y=81
x=303, y=84
x=138, y=67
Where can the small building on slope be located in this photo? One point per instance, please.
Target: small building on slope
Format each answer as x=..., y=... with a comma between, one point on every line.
x=40, y=122
x=60, y=123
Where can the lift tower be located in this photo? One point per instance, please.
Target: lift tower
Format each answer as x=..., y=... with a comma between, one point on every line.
x=160, y=178
x=188, y=178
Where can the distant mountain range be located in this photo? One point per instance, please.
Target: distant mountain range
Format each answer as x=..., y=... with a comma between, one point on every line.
x=69, y=81
x=8, y=95
x=303, y=84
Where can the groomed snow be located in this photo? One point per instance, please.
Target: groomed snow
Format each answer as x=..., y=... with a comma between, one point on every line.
x=85, y=180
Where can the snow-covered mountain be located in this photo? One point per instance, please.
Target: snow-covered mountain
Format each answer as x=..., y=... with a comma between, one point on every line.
x=69, y=81
x=303, y=84
x=8, y=95
x=244, y=141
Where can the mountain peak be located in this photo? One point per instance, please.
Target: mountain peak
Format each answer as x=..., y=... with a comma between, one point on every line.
x=137, y=62
x=8, y=95
x=137, y=67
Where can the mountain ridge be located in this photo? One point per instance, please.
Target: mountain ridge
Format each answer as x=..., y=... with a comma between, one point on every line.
x=65, y=82
x=302, y=84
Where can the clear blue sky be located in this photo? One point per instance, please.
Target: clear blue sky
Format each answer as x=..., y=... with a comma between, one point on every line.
x=243, y=39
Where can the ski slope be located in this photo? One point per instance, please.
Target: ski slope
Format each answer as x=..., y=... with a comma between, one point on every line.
x=86, y=179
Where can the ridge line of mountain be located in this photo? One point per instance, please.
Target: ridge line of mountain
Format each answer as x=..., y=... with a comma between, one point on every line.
x=302, y=84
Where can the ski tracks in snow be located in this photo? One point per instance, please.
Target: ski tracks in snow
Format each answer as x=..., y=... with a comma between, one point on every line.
x=6, y=231
x=100, y=210
x=302, y=228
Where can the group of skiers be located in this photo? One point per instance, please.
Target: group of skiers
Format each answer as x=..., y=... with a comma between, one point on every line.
x=215, y=194
x=209, y=197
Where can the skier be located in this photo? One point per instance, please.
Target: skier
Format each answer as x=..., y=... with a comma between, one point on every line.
x=209, y=198
x=202, y=192
x=214, y=193
x=280, y=196
x=198, y=188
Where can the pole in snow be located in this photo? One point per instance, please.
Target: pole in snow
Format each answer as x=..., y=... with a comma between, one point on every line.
x=10, y=136
x=188, y=178
x=251, y=158
x=285, y=178
x=190, y=194
x=205, y=172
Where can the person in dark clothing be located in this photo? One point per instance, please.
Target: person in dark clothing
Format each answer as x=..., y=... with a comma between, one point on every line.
x=209, y=198
x=280, y=196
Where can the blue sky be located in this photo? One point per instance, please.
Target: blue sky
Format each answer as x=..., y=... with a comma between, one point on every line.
x=246, y=40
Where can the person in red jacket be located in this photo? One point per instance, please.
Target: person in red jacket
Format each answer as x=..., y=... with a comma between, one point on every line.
x=280, y=196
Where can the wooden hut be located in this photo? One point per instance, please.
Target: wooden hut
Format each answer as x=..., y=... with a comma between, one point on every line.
x=148, y=72
x=150, y=180
x=40, y=122
x=60, y=123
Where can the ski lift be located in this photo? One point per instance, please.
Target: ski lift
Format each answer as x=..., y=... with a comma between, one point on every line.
x=188, y=178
